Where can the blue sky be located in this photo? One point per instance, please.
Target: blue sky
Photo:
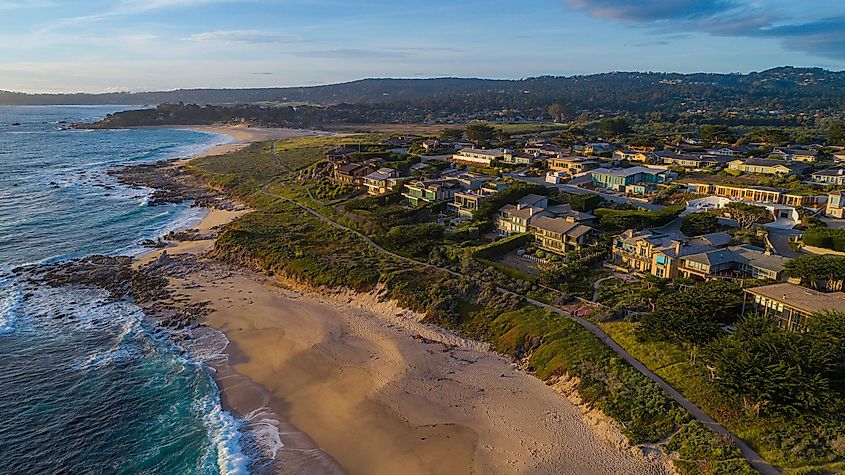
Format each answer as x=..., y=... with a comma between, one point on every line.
x=98, y=45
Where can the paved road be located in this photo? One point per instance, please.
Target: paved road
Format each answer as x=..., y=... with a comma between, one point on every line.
x=761, y=465
x=581, y=191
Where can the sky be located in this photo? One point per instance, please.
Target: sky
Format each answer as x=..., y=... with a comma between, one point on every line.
x=142, y=45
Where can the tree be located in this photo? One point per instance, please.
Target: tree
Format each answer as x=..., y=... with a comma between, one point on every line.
x=772, y=136
x=451, y=135
x=571, y=136
x=818, y=272
x=694, y=316
x=716, y=134
x=480, y=134
x=696, y=224
x=774, y=370
x=613, y=127
x=747, y=215
x=836, y=133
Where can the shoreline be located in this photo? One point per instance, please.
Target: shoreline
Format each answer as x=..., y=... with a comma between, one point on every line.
x=358, y=385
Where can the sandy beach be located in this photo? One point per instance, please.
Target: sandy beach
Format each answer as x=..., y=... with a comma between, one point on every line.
x=357, y=385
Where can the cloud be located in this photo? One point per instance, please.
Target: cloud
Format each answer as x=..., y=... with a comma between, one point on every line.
x=649, y=10
x=22, y=4
x=727, y=18
x=243, y=36
x=126, y=8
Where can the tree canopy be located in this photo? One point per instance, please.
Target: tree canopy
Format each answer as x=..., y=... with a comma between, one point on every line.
x=818, y=272
x=696, y=224
x=747, y=215
x=480, y=134
x=716, y=134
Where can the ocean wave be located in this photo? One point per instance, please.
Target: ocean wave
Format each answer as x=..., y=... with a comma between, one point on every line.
x=264, y=428
x=10, y=302
x=225, y=451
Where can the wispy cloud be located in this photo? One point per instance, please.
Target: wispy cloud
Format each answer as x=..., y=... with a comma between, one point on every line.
x=729, y=18
x=243, y=36
x=22, y=4
x=126, y=8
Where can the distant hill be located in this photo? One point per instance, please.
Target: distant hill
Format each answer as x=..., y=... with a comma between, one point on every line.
x=781, y=88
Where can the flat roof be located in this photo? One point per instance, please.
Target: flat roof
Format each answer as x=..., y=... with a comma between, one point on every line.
x=801, y=298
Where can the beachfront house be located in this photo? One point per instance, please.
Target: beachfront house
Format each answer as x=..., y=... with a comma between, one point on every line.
x=352, y=173
x=790, y=305
x=467, y=202
x=422, y=192
x=382, y=181
x=687, y=160
x=736, y=262
x=659, y=253
x=561, y=235
x=635, y=156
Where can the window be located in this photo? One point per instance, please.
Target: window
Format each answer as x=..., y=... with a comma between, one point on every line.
x=661, y=260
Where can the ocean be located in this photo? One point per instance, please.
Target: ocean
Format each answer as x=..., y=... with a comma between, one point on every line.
x=85, y=386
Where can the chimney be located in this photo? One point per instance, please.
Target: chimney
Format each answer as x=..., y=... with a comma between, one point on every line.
x=678, y=245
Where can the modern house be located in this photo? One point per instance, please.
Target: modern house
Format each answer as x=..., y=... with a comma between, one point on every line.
x=626, y=179
x=635, y=156
x=759, y=194
x=768, y=167
x=658, y=253
x=477, y=157
x=782, y=216
x=737, y=262
x=561, y=235
x=835, y=205
x=352, y=173
x=572, y=165
x=430, y=144
x=382, y=181
x=688, y=160
x=467, y=202
x=831, y=176
x=514, y=218
x=597, y=148
x=791, y=305
x=430, y=191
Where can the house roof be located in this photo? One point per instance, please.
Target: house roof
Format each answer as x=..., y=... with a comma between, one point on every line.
x=765, y=162
x=631, y=171
x=835, y=171
x=748, y=255
x=801, y=298
x=531, y=200
x=495, y=152
x=560, y=226
x=350, y=168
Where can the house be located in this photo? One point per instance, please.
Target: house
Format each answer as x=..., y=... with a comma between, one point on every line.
x=556, y=178
x=597, y=148
x=382, y=181
x=835, y=205
x=839, y=156
x=758, y=194
x=831, y=176
x=352, y=173
x=477, y=157
x=768, y=167
x=467, y=202
x=542, y=149
x=561, y=235
x=430, y=191
x=795, y=154
x=736, y=262
x=572, y=165
x=622, y=179
x=516, y=158
x=688, y=160
x=514, y=218
x=634, y=156
x=659, y=253
x=791, y=305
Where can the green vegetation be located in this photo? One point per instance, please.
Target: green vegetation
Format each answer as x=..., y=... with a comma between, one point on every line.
x=827, y=238
x=703, y=452
x=696, y=224
x=618, y=220
x=818, y=272
x=747, y=215
x=241, y=173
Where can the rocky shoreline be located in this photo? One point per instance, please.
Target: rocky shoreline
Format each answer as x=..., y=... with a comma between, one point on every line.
x=172, y=184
